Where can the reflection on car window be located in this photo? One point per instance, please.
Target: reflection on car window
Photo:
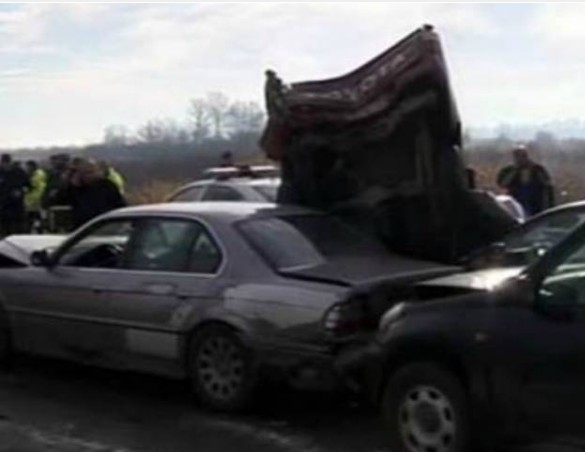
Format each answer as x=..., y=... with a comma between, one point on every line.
x=546, y=232
x=161, y=245
x=102, y=247
x=205, y=254
x=306, y=240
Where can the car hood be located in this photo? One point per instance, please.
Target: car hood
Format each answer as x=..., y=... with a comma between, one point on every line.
x=368, y=271
x=480, y=280
x=17, y=249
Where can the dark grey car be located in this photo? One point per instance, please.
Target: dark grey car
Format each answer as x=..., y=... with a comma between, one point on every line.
x=218, y=292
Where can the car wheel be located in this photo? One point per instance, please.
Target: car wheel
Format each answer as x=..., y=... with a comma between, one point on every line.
x=222, y=369
x=425, y=410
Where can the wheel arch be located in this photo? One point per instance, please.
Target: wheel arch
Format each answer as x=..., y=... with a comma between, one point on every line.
x=196, y=329
x=409, y=352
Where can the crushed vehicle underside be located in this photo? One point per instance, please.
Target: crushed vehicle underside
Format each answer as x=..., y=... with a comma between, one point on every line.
x=381, y=146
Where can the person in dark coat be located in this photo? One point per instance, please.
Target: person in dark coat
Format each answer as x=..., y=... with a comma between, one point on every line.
x=13, y=187
x=89, y=194
x=527, y=182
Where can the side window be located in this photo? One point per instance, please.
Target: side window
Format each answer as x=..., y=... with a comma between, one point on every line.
x=189, y=195
x=205, y=255
x=172, y=246
x=222, y=193
x=546, y=232
x=161, y=245
x=102, y=247
x=565, y=284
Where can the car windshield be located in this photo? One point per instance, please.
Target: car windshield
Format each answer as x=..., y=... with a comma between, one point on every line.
x=267, y=191
x=541, y=234
x=296, y=241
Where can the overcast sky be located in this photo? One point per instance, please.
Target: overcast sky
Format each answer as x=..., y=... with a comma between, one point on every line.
x=69, y=70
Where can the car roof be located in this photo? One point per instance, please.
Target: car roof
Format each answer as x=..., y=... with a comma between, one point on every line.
x=560, y=208
x=233, y=181
x=223, y=211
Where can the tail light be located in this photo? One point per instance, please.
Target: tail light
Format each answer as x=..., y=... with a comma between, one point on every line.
x=347, y=317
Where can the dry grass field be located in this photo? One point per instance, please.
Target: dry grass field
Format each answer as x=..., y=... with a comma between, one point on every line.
x=567, y=169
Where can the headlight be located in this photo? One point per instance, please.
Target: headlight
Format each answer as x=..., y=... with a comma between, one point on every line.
x=391, y=316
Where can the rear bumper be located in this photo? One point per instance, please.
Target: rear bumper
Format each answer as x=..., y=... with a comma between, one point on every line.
x=306, y=367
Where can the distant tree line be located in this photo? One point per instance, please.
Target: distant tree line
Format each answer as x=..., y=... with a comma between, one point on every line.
x=175, y=150
x=167, y=152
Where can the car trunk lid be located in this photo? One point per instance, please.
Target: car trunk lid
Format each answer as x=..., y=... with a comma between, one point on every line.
x=374, y=283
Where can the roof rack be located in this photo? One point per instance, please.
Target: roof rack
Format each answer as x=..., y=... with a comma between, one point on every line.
x=253, y=172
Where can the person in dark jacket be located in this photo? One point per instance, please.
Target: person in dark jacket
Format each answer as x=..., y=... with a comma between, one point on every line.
x=89, y=194
x=13, y=186
x=527, y=182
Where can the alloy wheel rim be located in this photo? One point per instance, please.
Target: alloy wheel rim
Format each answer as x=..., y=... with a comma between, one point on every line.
x=427, y=420
x=220, y=368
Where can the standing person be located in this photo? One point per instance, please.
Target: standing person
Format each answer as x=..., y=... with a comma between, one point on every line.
x=59, y=166
x=57, y=215
x=89, y=193
x=527, y=181
x=37, y=178
x=227, y=160
x=13, y=186
x=113, y=175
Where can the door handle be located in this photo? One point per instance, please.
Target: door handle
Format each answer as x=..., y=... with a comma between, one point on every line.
x=160, y=289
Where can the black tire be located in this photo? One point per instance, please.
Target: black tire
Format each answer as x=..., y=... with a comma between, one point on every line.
x=426, y=410
x=222, y=370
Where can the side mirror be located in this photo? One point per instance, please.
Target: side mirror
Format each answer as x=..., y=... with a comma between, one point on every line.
x=41, y=258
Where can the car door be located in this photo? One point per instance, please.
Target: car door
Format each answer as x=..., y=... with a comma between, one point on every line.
x=170, y=275
x=551, y=337
x=61, y=309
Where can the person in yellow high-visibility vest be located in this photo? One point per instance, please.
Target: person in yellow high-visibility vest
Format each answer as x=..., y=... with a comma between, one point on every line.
x=113, y=176
x=32, y=200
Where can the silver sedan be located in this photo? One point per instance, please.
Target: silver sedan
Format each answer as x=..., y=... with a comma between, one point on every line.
x=221, y=293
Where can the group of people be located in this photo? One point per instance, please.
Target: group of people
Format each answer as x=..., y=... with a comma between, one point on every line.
x=57, y=198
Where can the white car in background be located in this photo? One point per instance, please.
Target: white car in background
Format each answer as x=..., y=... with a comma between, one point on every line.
x=245, y=183
x=512, y=206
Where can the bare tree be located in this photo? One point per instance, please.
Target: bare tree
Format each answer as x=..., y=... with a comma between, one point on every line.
x=160, y=131
x=244, y=117
x=199, y=116
x=116, y=135
x=218, y=105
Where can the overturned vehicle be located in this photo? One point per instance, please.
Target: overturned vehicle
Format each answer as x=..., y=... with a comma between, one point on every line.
x=381, y=146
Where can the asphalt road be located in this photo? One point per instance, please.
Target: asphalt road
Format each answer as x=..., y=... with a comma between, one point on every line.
x=70, y=408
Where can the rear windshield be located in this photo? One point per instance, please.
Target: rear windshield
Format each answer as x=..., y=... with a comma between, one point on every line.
x=296, y=241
